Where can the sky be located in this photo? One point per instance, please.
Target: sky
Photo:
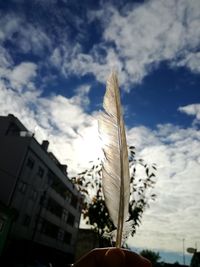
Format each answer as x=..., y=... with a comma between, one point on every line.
x=55, y=57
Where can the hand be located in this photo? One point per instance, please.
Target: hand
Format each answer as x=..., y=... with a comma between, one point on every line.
x=112, y=257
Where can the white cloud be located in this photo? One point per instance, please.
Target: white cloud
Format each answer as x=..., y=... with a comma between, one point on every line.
x=137, y=39
x=72, y=133
x=23, y=35
x=64, y=113
x=56, y=57
x=192, y=61
x=81, y=95
x=74, y=61
x=153, y=32
x=12, y=102
x=193, y=109
x=142, y=136
x=9, y=25
x=33, y=39
x=175, y=214
x=5, y=60
x=22, y=75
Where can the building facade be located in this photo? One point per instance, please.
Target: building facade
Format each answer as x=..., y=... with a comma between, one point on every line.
x=33, y=183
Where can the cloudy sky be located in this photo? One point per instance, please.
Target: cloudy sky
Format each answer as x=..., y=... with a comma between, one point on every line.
x=55, y=57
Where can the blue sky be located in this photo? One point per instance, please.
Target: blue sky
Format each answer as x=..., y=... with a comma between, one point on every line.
x=55, y=57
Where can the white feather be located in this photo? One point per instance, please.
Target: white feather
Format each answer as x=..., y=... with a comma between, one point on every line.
x=115, y=171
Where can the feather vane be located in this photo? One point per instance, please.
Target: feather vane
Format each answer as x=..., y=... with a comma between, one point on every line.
x=115, y=171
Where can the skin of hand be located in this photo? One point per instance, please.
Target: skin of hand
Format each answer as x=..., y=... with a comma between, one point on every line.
x=112, y=257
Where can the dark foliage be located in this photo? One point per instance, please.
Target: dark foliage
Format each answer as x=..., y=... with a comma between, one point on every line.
x=152, y=256
x=94, y=209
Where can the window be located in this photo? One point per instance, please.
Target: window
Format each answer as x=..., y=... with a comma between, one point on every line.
x=58, y=187
x=49, y=229
x=67, y=238
x=33, y=194
x=26, y=220
x=50, y=178
x=74, y=201
x=64, y=215
x=68, y=195
x=54, y=207
x=70, y=219
x=40, y=172
x=61, y=234
x=22, y=187
x=13, y=129
x=2, y=223
x=40, y=224
x=30, y=163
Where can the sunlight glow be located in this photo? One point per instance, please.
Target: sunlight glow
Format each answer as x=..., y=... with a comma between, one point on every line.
x=89, y=146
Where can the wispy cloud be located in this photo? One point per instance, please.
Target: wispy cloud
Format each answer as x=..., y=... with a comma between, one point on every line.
x=193, y=109
x=135, y=40
x=24, y=36
x=22, y=75
x=156, y=31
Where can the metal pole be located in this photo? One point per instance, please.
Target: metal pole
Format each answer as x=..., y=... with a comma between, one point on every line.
x=183, y=251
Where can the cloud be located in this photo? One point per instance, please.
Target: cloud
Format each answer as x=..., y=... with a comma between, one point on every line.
x=176, y=153
x=56, y=57
x=153, y=32
x=21, y=75
x=192, y=61
x=11, y=101
x=9, y=25
x=60, y=119
x=72, y=61
x=5, y=59
x=134, y=39
x=193, y=109
x=72, y=132
x=81, y=96
x=24, y=36
x=137, y=39
x=64, y=113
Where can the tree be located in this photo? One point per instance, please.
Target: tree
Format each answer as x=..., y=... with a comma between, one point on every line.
x=152, y=256
x=94, y=209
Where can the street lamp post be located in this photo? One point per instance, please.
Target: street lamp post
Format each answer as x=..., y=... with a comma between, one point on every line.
x=183, y=251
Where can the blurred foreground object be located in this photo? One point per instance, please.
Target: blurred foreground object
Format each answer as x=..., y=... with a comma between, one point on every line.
x=112, y=257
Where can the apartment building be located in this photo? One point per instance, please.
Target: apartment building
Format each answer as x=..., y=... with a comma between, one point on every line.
x=36, y=186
